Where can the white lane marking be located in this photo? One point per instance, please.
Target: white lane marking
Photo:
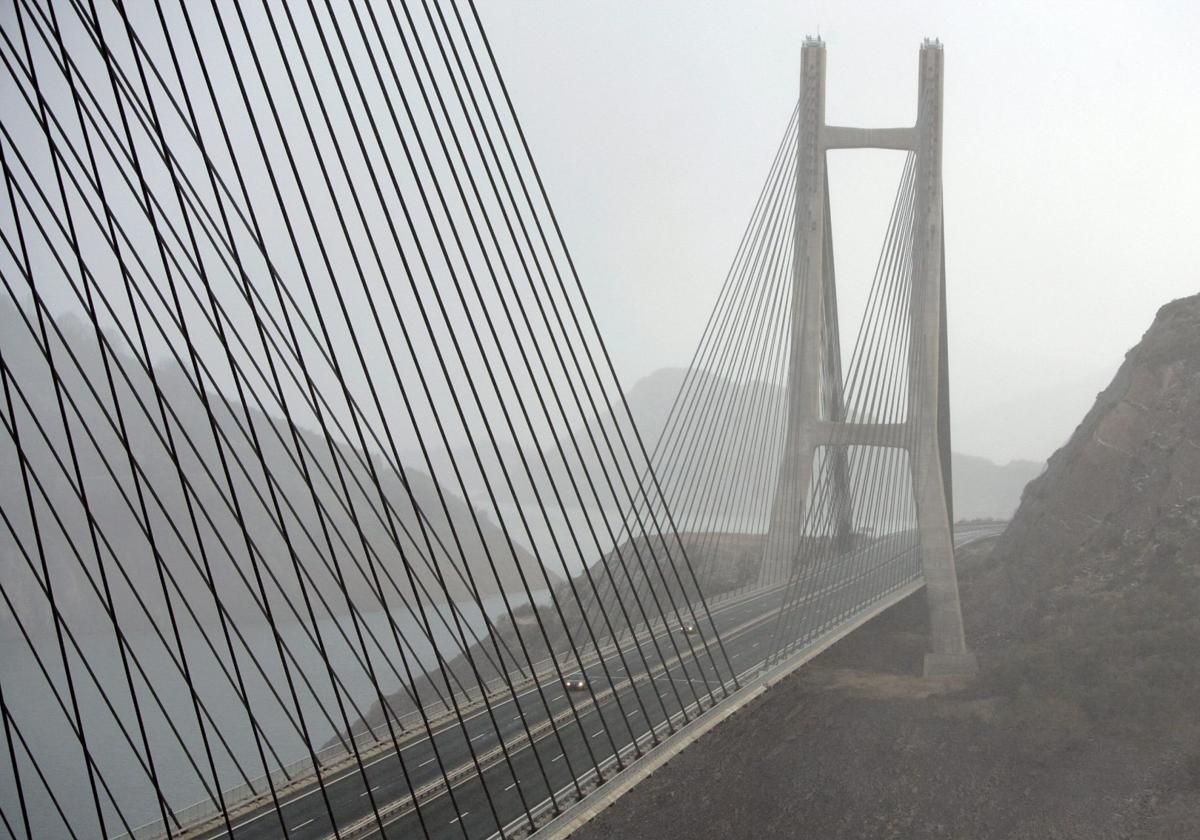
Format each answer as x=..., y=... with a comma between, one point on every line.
x=597, y=734
x=430, y=761
x=556, y=699
x=510, y=787
x=267, y=812
x=557, y=757
x=460, y=816
x=516, y=717
x=554, y=759
x=365, y=792
x=306, y=822
x=634, y=712
x=480, y=735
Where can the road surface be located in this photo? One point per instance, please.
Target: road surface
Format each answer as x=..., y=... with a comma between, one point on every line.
x=479, y=805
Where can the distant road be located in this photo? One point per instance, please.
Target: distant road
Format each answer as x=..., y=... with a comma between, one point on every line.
x=628, y=713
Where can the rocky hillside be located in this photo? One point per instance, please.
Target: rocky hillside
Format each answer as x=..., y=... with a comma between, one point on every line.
x=1096, y=584
x=1135, y=456
x=200, y=467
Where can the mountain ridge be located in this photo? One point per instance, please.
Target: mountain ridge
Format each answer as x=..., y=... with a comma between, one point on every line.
x=360, y=556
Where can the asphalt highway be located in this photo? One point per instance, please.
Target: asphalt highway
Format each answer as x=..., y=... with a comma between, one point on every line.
x=582, y=736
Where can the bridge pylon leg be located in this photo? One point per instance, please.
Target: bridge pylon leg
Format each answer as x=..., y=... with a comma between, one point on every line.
x=814, y=385
x=928, y=387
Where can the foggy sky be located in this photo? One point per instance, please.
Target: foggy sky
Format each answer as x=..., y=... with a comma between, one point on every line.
x=1072, y=172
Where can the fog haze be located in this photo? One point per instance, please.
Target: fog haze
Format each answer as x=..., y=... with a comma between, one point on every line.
x=1070, y=173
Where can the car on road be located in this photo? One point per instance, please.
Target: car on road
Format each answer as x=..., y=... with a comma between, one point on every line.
x=575, y=682
x=689, y=628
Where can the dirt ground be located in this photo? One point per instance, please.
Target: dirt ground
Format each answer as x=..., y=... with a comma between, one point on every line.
x=856, y=746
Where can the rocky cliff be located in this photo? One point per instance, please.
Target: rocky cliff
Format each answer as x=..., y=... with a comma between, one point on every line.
x=1129, y=473
x=1095, y=587
x=1136, y=453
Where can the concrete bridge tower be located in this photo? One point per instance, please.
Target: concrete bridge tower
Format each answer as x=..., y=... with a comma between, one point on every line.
x=816, y=422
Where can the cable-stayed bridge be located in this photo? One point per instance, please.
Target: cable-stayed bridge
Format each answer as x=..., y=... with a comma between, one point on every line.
x=324, y=512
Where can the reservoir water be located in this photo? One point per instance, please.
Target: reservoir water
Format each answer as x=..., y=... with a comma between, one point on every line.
x=49, y=734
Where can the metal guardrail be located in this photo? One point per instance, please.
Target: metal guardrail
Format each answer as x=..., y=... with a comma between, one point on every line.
x=838, y=625
x=244, y=797
x=640, y=763
x=554, y=823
